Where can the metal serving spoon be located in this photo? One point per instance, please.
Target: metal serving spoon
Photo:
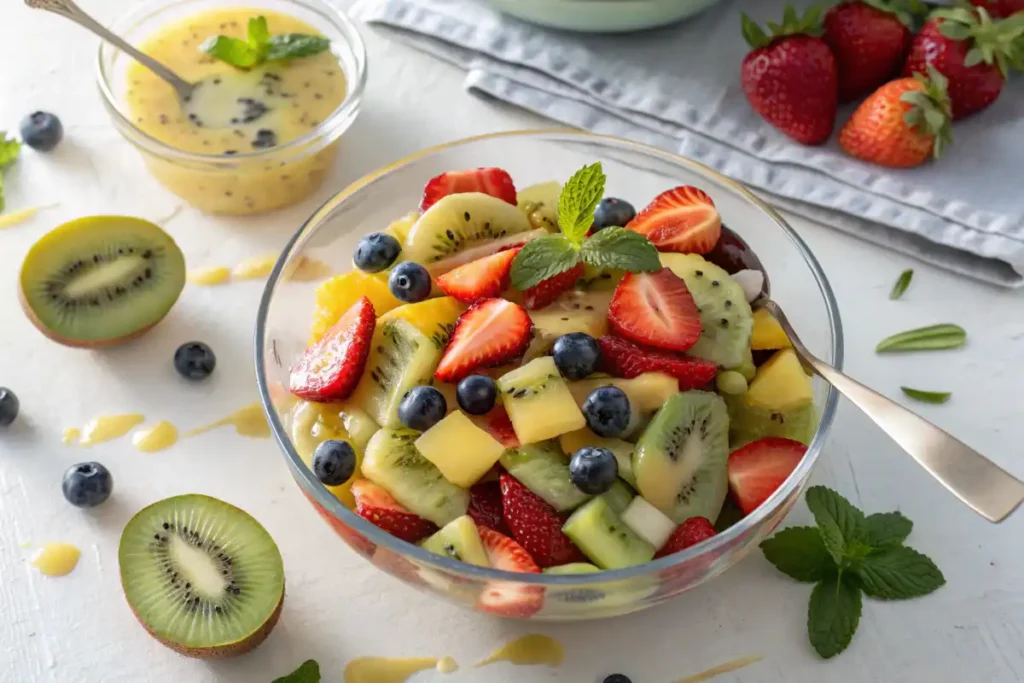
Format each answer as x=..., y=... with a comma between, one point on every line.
x=985, y=487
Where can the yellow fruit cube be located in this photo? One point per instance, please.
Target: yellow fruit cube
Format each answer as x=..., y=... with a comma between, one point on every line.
x=337, y=295
x=538, y=402
x=780, y=384
x=459, y=449
x=434, y=317
x=552, y=322
x=314, y=423
x=400, y=228
x=767, y=333
x=647, y=393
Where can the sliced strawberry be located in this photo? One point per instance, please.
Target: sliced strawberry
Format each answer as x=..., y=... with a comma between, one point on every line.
x=536, y=525
x=689, y=533
x=376, y=505
x=498, y=424
x=492, y=181
x=485, y=506
x=655, y=309
x=546, y=292
x=682, y=219
x=331, y=368
x=491, y=332
x=759, y=468
x=623, y=358
x=505, y=598
x=481, y=279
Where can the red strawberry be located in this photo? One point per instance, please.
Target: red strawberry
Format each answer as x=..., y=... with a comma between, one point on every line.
x=492, y=181
x=951, y=40
x=480, y=279
x=546, y=292
x=655, y=309
x=869, y=40
x=509, y=599
x=498, y=425
x=1001, y=8
x=759, y=468
x=491, y=332
x=625, y=359
x=682, y=219
x=331, y=368
x=689, y=533
x=485, y=506
x=790, y=77
x=376, y=506
x=536, y=525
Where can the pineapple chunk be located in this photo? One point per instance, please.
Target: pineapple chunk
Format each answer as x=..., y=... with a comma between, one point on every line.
x=780, y=384
x=767, y=333
x=461, y=450
x=434, y=317
x=400, y=228
x=647, y=393
x=337, y=295
x=314, y=423
x=622, y=450
x=538, y=402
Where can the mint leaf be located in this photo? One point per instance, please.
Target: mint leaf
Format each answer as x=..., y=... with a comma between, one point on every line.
x=833, y=614
x=308, y=672
x=542, y=258
x=901, y=284
x=9, y=149
x=800, y=553
x=898, y=573
x=926, y=396
x=886, y=529
x=232, y=51
x=292, y=45
x=839, y=522
x=578, y=200
x=261, y=46
x=257, y=32
x=621, y=249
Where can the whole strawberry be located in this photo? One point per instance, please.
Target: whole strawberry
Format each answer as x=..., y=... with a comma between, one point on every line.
x=790, y=77
x=902, y=124
x=869, y=39
x=1000, y=8
x=971, y=50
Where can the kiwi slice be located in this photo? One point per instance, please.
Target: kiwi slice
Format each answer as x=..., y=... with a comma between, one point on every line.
x=542, y=468
x=749, y=423
x=540, y=204
x=461, y=221
x=203, y=577
x=459, y=540
x=619, y=496
x=604, y=538
x=100, y=280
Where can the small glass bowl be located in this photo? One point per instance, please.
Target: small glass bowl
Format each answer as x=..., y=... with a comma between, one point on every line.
x=636, y=173
x=251, y=182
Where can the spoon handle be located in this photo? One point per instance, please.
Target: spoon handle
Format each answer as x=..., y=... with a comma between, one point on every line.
x=985, y=487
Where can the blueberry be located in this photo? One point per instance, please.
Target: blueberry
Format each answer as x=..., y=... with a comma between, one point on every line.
x=422, y=408
x=476, y=394
x=617, y=678
x=593, y=470
x=611, y=211
x=576, y=355
x=376, y=251
x=334, y=462
x=41, y=131
x=194, y=360
x=607, y=411
x=409, y=282
x=9, y=405
x=87, y=484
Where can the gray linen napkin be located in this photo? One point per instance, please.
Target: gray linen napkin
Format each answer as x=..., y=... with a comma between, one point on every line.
x=678, y=88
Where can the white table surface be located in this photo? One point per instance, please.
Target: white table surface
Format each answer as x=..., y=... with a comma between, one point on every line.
x=79, y=628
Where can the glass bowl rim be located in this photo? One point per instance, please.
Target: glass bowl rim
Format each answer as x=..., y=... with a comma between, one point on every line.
x=337, y=121
x=322, y=497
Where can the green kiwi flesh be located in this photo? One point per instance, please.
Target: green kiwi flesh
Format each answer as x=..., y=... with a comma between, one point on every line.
x=203, y=577
x=101, y=280
x=749, y=423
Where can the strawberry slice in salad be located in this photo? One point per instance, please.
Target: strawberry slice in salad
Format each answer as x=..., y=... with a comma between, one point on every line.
x=491, y=332
x=623, y=358
x=655, y=309
x=484, y=278
x=683, y=219
x=492, y=181
x=331, y=368
x=376, y=506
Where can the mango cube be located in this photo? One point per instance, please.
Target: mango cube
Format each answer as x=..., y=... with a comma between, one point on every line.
x=781, y=384
x=459, y=449
x=538, y=402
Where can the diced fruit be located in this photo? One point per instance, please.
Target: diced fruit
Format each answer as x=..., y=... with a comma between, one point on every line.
x=334, y=462
x=481, y=279
x=503, y=598
x=622, y=450
x=593, y=470
x=540, y=204
x=505, y=554
x=462, y=451
x=393, y=463
x=648, y=522
x=331, y=368
x=576, y=355
x=538, y=402
x=459, y=540
x=680, y=461
x=767, y=333
x=491, y=181
x=337, y=295
x=612, y=212
x=683, y=219
x=746, y=367
x=689, y=533
x=655, y=309
x=314, y=423
x=376, y=252
x=422, y=408
x=543, y=295
x=749, y=423
x=604, y=537
x=378, y=507
x=574, y=311
x=400, y=228
x=618, y=497
x=731, y=383
x=480, y=250
x=489, y=333
x=459, y=222
x=536, y=525
x=434, y=317
x=497, y=424
x=409, y=282
x=543, y=469
x=781, y=384
x=87, y=484
x=759, y=468
x=485, y=506
x=401, y=358
x=194, y=360
x=725, y=315
x=477, y=394
x=623, y=358
x=608, y=412
x=42, y=131
x=574, y=568
x=647, y=393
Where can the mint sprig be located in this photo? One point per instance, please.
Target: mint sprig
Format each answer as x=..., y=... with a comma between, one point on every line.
x=611, y=248
x=849, y=554
x=259, y=46
x=9, y=150
x=308, y=672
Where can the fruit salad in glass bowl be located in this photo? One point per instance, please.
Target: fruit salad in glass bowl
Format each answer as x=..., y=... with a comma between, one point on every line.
x=543, y=392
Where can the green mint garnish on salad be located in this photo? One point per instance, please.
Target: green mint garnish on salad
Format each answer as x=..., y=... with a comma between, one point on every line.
x=259, y=46
x=901, y=284
x=932, y=338
x=849, y=555
x=927, y=396
x=308, y=672
x=612, y=248
x=9, y=149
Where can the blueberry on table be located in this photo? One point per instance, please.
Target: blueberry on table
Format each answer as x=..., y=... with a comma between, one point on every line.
x=476, y=394
x=41, y=131
x=607, y=411
x=376, y=252
x=334, y=462
x=576, y=355
x=422, y=408
x=613, y=212
x=9, y=406
x=87, y=484
x=593, y=469
x=617, y=678
x=194, y=360
x=409, y=282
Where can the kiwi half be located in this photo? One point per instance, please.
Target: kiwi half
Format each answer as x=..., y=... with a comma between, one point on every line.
x=203, y=577
x=101, y=280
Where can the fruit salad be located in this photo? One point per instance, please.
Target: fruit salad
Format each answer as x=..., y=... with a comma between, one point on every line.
x=548, y=380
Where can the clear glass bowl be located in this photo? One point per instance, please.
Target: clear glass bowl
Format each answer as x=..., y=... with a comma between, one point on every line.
x=252, y=182
x=635, y=172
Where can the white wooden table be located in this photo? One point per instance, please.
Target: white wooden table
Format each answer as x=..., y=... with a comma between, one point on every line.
x=78, y=628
